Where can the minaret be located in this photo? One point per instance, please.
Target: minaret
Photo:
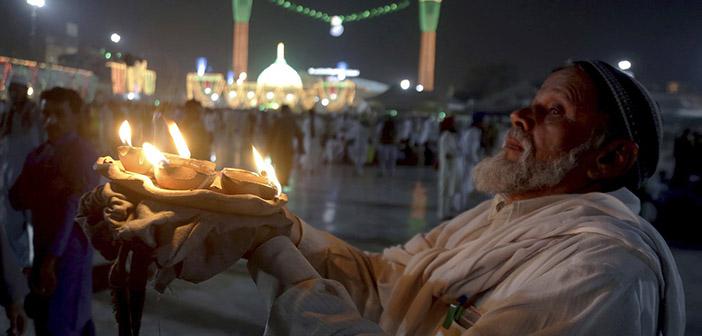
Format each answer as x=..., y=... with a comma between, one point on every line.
x=428, y=21
x=240, y=45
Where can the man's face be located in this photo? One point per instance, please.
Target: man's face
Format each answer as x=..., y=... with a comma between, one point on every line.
x=547, y=138
x=58, y=118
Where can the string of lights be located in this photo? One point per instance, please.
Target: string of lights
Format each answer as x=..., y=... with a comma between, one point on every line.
x=352, y=17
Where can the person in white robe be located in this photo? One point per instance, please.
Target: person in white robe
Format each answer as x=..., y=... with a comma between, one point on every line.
x=313, y=130
x=450, y=170
x=470, y=154
x=357, y=136
x=560, y=250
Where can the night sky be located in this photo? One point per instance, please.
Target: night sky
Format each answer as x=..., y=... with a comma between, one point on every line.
x=661, y=38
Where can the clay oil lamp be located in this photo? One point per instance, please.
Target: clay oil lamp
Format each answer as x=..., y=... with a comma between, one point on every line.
x=132, y=158
x=264, y=183
x=180, y=172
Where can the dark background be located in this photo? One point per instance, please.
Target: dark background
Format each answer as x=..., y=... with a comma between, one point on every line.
x=661, y=38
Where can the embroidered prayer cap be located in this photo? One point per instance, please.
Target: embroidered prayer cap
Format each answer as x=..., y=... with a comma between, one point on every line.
x=625, y=99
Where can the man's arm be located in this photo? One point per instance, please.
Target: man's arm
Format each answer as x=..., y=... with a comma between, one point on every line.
x=361, y=273
x=308, y=304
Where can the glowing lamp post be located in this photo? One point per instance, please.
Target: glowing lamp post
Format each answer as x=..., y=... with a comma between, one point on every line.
x=115, y=38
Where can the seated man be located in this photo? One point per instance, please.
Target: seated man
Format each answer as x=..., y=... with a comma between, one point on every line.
x=559, y=250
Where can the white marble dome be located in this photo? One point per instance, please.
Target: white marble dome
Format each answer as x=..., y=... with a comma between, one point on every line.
x=279, y=74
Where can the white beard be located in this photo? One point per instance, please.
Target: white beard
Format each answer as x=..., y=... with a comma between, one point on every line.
x=499, y=175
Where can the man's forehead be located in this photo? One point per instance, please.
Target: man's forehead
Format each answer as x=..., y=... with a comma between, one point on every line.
x=572, y=83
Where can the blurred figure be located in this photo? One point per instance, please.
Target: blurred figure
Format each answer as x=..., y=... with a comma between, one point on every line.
x=357, y=136
x=387, y=147
x=53, y=178
x=197, y=137
x=20, y=132
x=450, y=170
x=683, y=151
x=280, y=145
x=469, y=145
x=13, y=287
x=313, y=129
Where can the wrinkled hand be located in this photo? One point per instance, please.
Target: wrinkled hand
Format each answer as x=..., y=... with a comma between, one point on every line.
x=18, y=319
x=266, y=233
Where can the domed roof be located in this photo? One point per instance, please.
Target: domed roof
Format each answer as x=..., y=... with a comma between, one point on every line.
x=280, y=74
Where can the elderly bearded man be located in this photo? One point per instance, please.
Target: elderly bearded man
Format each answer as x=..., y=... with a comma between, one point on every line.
x=560, y=249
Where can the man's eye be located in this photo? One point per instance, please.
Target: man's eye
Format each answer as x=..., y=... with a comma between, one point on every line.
x=556, y=111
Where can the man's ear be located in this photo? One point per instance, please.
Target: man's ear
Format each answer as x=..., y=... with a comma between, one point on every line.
x=614, y=159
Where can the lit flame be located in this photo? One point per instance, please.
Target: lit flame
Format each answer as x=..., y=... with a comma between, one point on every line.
x=182, y=148
x=155, y=157
x=265, y=168
x=125, y=133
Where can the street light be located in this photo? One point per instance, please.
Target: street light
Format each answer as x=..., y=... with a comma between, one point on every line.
x=419, y=88
x=624, y=65
x=33, y=30
x=115, y=38
x=36, y=3
x=405, y=84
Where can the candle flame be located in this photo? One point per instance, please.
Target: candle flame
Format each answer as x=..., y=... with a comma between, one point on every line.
x=125, y=133
x=155, y=157
x=265, y=168
x=178, y=139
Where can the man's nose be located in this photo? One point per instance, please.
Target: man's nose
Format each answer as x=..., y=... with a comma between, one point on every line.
x=523, y=118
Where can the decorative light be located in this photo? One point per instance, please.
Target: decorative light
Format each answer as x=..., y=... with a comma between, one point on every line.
x=115, y=38
x=230, y=77
x=336, y=20
x=108, y=55
x=419, y=88
x=201, y=66
x=352, y=17
x=269, y=95
x=325, y=102
x=232, y=94
x=336, y=31
x=214, y=97
x=250, y=95
x=131, y=96
x=30, y=91
x=208, y=90
x=336, y=26
x=289, y=97
x=333, y=96
x=280, y=74
x=405, y=84
x=624, y=65
x=36, y=3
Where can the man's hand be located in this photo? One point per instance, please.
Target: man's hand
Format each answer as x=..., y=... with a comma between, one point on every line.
x=17, y=318
x=47, y=277
x=266, y=233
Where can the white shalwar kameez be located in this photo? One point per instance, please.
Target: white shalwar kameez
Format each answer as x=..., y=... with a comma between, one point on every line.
x=573, y=264
x=312, y=160
x=357, y=136
x=450, y=174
